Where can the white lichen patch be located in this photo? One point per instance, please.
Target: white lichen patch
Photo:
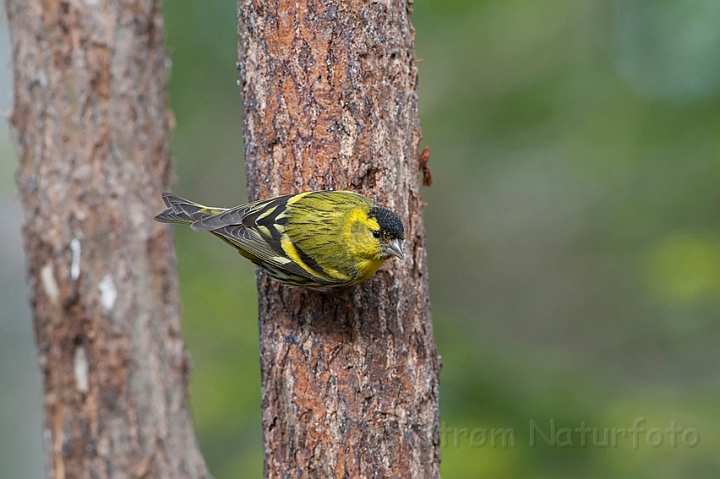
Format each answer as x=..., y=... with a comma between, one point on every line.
x=47, y=276
x=75, y=265
x=349, y=132
x=108, y=294
x=82, y=369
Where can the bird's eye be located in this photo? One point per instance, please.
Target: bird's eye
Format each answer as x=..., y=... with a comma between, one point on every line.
x=376, y=234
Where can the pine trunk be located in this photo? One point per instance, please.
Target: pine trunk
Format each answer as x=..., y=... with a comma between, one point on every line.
x=349, y=379
x=91, y=124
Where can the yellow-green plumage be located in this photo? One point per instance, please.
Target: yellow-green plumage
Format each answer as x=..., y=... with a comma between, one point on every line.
x=319, y=238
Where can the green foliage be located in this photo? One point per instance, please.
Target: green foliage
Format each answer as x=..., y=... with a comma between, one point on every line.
x=572, y=231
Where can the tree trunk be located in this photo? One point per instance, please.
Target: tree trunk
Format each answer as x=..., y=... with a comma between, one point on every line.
x=91, y=123
x=349, y=379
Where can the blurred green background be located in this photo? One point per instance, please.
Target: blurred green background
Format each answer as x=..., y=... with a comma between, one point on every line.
x=573, y=237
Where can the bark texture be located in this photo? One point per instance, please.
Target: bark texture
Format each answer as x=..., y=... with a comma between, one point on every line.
x=91, y=124
x=350, y=379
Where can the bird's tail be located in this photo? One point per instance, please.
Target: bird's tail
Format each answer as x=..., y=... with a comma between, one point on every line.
x=183, y=211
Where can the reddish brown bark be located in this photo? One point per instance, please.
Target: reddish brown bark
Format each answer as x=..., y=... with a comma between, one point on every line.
x=91, y=123
x=350, y=379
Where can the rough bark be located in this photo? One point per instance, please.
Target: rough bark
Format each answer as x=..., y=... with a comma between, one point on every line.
x=350, y=379
x=91, y=124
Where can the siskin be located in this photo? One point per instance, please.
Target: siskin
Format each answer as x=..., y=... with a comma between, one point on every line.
x=317, y=238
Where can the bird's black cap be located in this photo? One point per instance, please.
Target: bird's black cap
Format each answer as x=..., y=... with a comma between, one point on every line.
x=390, y=225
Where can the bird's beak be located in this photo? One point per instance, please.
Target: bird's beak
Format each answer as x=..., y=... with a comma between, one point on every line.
x=394, y=249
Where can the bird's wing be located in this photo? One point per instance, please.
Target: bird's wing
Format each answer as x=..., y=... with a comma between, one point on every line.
x=259, y=229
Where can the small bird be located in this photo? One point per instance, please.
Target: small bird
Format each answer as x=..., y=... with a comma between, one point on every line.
x=318, y=238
